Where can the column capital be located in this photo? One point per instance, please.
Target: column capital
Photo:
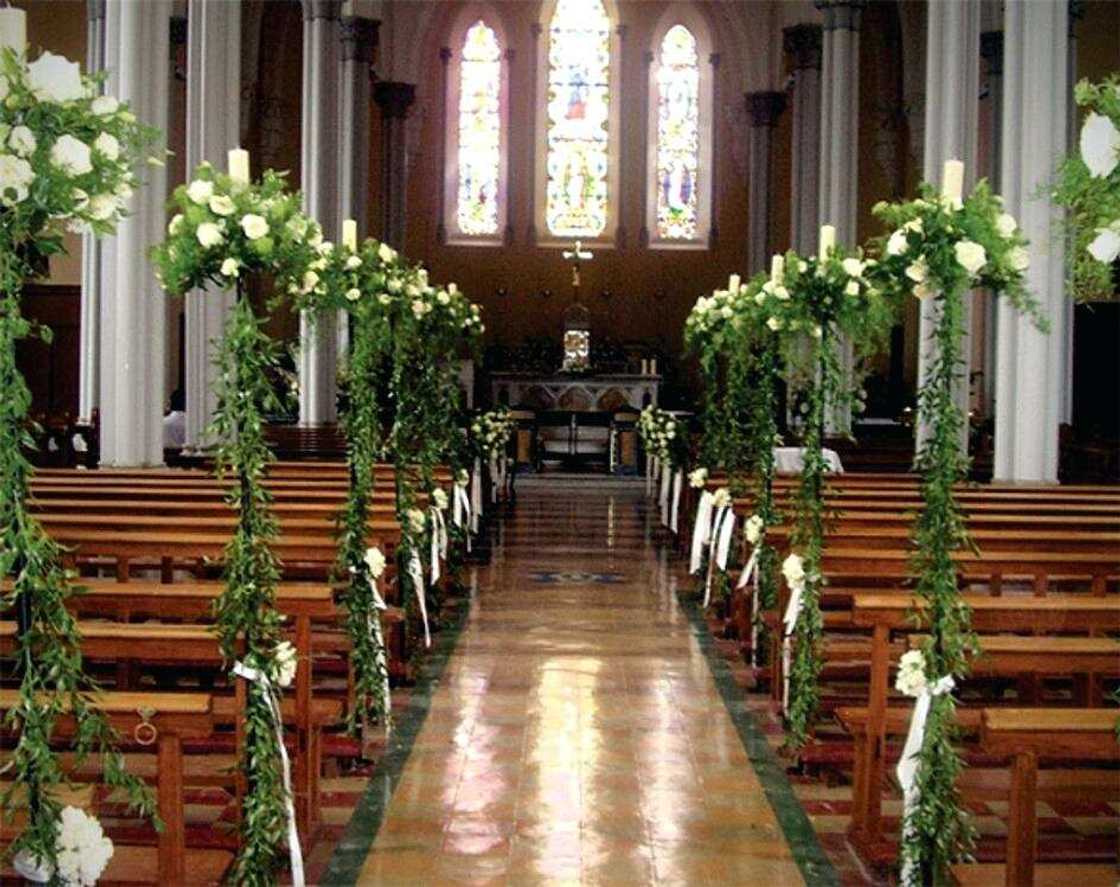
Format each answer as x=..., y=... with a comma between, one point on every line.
x=803, y=43
x=313, y=9
x=841, y=15
x=764, y=108
x=95, y=10
x=991, y=50
x=359, y=39
x=394, y=98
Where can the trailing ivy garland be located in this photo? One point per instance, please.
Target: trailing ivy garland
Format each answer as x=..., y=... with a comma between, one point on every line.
x=68, y=159
x=940, y=249
x=224, y=231
x=1089, y=186
x=815, y=303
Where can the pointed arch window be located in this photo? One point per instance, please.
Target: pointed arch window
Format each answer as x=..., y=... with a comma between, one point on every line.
x=475, y=175
x=680, y=156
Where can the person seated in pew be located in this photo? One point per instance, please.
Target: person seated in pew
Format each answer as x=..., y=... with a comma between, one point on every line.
x=175, y=422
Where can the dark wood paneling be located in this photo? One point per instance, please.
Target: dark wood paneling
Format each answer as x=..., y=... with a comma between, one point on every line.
x=51, y=369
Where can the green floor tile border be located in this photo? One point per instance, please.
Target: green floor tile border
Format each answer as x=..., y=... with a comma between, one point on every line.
x=352, y=850
x=816, y=868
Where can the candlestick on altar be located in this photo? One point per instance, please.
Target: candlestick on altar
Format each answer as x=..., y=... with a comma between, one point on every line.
x=952, y=181
x=239, y=166
x=13, y=29
x=777, y=268
x=350, y=235
x=827, y=241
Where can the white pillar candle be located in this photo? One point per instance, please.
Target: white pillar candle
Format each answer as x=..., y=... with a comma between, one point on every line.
x=733, y=283
x=777, y=268
x=13, y=29
x=645, y=367
x=239, y=165
x=350, y=234
x=653, y=367
x=952, y=181
x=827, y=240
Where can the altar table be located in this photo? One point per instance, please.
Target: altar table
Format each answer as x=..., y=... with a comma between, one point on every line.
x=577, y=392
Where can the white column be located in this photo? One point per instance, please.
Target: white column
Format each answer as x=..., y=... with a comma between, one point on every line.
x=359, y=37
x=991, y=50
x=951, y=123
x=1031, y=365
x=763, y=110
x=89, y=332
x=213, y=127
x=319, y=178
x=134, y=311
x=803, y=43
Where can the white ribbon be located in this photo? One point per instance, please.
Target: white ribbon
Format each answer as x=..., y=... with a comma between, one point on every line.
x=476, y=495
x=722, y=514
x=416, y=572
x=678, y=479
x=701, y=531
x=750, y=571
x=461, y=506
x=295, y=852
x=723, y=540
x=375, y=633
x=663, y=498
x=789, y=621
x=439, y=542
x=907, y=769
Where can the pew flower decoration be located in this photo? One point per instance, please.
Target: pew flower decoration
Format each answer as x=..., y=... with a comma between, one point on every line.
x=1088, y=186
x=490, y=433
x=698, y=478
x=940, y=247
x=285, y=661
x=911, y=677
x=721, y=498
x=69, y=161
x=754, y=529
x=664, y=436
x=81, y=848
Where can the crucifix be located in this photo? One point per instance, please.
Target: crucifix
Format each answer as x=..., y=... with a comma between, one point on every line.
x=577, y=326
x=576, y=255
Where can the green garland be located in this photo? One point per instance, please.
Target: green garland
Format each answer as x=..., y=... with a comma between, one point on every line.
x=941, y=250
x=1089, y=186
x=68, y=159
x=224, y=231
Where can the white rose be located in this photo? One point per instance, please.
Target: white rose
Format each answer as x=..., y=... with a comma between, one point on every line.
x=384, y=299
x=298, y=226
x=852, y=267
x=911, y=678
x=896, y=243
x=1018, y=258
x=416, y=520
x=353, y=294
x=817, y=332
x=439, y=498
x=353, y=262
x=22, y=141
x=16, y=176
x=386, y=253
x=443, y=298
x=104, y=105
x=200, y=191
x=1006, y=224
x=286, y=661
x=753, y=529
x=726, y=312
x=310, y=281
x=774, y=323
x=851, y=288
x=970, y=256
x=222, y=205
x=175, y=225
x=230, y=267
x=102, y=206
x=793, y=568
x=722, y=498
x=107, y=146
x=924, y=291
x=375, y=562
x=418, y=308
x=209, y=234
x=53, y=78
x=254, y=226
x=1105, y=247
x=1100, y=145
x=698, y=478
x=919, y=270
x=71, y=156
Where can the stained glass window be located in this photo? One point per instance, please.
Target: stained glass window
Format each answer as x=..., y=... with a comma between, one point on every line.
x=678, y=135
x=480, y=127
x=578, y=119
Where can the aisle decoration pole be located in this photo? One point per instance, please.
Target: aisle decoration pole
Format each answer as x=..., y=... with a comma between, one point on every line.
x=68, y=162
x=227, y=229
x=940, y=247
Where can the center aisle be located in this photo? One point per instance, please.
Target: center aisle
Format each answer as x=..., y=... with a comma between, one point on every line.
x=577, y=734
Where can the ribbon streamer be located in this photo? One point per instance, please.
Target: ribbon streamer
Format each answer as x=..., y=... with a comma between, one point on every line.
x=476, y=496
x=701, y=531
x=678, y=479
x=908, y=764
x=461, y=506
x=416, y=572
x=375, y=633
x=718, y=524
x=651, y=472
x=751, y=571
x=294, y=850
x=663, y=498
x=789, y=621
x=723, y=540
x=439, y=542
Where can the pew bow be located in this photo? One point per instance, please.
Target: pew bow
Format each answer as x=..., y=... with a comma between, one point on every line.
x=789, y=623
x=701, y=531
x=438, y=542
x=722, y=514
x=461, y=509
x=678, y=479
x=476, y=496
x=750, y=572
x=416, y=572
x=257, y=676
x=663, y=498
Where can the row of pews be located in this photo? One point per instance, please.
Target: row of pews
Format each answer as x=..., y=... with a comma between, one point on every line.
x=1037, y=714
x=148, y=545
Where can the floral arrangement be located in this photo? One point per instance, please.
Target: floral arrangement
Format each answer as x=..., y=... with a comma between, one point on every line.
x=698, y=478
x=69, y=161
x=82, y=851
x=664, y=436
x=940, y=247
x=225, y=230
x=1089, y=186
x=490, y=433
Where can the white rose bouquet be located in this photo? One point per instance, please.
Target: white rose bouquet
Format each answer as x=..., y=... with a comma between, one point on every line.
x=81, y=847
x=664, y=436
x=490, y=433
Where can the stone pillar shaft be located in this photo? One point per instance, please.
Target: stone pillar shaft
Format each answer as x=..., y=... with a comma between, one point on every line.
x=991, y=50
x=839, y=137
x=395, y=100
x=803, y=43
x=133, y=312
x=1031, y=364
x=213, y=128
x=763, y=109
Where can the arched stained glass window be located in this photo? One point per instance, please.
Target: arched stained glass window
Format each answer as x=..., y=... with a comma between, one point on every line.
x=678, y=135
x=577, y=158
x=480, y=132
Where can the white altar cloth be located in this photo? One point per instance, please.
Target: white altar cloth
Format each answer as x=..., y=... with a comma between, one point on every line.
x=790, y=460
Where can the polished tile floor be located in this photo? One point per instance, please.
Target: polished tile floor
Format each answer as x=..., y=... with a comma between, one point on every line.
x=577, y=735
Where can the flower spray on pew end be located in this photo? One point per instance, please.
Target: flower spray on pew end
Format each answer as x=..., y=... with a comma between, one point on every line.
x=941, y=247
x=1089, y=187
x=820, y=306
x=224, y=232
x=69, y=159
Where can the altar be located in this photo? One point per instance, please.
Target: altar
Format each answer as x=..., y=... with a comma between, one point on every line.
x=574, y=392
